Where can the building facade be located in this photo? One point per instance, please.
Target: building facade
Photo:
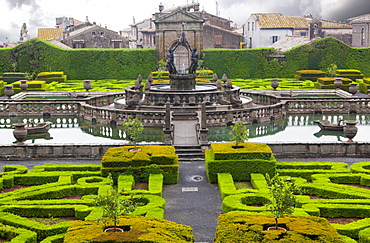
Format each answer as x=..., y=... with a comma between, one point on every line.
x=263, y=30
x=361, y=31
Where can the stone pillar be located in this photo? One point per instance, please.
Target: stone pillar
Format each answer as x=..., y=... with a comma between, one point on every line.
x=167, y=130
x=203, y=127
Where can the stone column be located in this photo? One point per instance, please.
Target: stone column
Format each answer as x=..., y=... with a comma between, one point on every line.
x=167, y=130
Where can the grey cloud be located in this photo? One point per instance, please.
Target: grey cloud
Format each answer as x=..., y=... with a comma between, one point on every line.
x=19, y=3
x=343, y=9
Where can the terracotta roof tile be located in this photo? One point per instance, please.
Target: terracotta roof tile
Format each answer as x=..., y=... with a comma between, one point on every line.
x=280, y=21
x=49, y=33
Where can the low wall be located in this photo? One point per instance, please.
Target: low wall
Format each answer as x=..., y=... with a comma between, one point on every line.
x=96, y=151
x=320, y=150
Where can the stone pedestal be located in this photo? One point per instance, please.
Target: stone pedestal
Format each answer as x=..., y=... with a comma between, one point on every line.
x=182, y=82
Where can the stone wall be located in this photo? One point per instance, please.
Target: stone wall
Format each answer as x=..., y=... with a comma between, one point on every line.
x=229, y=40
x=96, y=151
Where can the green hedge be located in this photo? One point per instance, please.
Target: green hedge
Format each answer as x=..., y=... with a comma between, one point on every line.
x=349, y=73
x=307, y=169
x=50, y=77
x=11, y=77
x=143, y=229
x=364, y=236
x=17, y=235
x=54, y=239
x=312, y=75
x=35, y=56
x=239, y=162
x=318, y=55
x=251, y=228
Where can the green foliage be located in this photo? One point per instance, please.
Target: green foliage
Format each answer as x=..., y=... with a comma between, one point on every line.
x=133, y=128
x=283, y=200
x=330, y=70
x=240, y=163
x=143, y=229
x=114, y=205
x=36, y=55
x=239, y=133
x=251, y=228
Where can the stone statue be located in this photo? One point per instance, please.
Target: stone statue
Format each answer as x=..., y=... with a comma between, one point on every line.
x=171, y=62
x=23, y=33
x=194, y=61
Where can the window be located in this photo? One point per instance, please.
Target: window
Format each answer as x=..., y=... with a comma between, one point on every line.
x=274, y=39
x=101, y=34
x=218, y=40
x=248, y=25
x=363, y=37
x=93, y=34
x=78, y=45
x=303, y=33
x=252, y=26
x=116, y=45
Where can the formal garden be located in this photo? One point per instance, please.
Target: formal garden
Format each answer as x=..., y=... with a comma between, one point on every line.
x=262, y=200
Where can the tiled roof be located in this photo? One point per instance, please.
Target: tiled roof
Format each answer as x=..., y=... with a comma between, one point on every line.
x=280, y=21
x=49, y=33
x=360, y=19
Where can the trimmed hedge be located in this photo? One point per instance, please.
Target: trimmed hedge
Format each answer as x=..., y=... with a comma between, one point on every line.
x=251, y=228
x=240, y=163
x=312, y=75
x=120, y=160
x=35, y=56
x=11, y=77
x=17, y=235
x=50, y=77
x=306, y=170
x=143, y=229
x=349, y=73
x=257, y=63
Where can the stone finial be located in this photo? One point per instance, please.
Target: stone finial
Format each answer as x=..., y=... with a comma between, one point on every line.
x=219, y=85
x=224, y=78
x=147, y=85
x=150, y=78
x=139, y=78
x=229, y=84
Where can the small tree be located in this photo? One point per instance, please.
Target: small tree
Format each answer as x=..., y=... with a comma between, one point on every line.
x=133, y=128
x=115, y=205
x=239, y=133
x=283, y=200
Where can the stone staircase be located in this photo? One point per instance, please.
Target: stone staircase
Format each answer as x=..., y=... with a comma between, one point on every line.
x=189, y=153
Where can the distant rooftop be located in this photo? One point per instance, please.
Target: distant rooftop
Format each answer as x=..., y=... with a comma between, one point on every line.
x=280, y=21
x=360, y=19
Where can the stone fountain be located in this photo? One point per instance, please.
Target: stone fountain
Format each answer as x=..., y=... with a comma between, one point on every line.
x=182, y=93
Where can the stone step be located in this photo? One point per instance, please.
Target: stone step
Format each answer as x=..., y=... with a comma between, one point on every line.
x=188, y=153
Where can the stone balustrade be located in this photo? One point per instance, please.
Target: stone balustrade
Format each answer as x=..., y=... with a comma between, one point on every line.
x=266, y=107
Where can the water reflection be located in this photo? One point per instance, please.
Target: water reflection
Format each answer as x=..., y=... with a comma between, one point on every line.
x=75, y=130
x=296, y=128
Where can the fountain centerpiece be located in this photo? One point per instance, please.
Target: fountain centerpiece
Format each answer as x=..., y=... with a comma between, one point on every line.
x=182, y=91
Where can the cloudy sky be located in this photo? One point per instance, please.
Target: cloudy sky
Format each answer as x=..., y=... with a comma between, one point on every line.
x=118, y=14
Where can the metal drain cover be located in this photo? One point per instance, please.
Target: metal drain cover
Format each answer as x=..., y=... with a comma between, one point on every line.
x=197, y=178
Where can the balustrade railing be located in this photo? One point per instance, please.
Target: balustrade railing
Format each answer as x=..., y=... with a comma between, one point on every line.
x=268, y=107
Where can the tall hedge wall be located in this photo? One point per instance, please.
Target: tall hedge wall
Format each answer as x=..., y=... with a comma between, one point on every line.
x=36, y=55
x=257, y=63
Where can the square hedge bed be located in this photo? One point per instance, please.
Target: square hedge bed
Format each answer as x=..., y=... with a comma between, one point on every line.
x=253, y=228
x=239, y=162
x=121, y=160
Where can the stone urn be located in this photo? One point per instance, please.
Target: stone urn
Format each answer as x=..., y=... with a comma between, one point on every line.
x=353, y=88
x=20, y=132
x=23, y=85
x=87, y=85
x=350, y=130
x=274, y=83
x=9, y=91
x=338, y=83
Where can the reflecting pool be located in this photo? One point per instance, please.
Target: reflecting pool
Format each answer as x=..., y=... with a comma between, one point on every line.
x=75, y=130
x=292, y=128
x=297, y=128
